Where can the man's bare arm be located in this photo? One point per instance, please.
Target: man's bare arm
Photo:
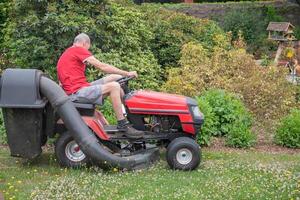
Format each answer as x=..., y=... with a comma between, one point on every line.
x=106, y=67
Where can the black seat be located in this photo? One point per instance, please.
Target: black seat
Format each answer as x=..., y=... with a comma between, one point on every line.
x=84, y=105
x=85, y=109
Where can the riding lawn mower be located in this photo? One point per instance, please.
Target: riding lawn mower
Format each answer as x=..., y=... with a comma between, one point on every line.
x=36, y=108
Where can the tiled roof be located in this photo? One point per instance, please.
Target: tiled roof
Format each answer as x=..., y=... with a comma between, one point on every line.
x=279, y=26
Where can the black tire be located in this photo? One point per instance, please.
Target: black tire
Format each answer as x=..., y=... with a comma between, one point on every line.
x=183, y=153
x=63, y=153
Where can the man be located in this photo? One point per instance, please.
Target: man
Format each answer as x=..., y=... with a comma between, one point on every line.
x=71, y=73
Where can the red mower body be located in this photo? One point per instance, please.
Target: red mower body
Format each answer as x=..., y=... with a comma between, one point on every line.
x=145, y=103
x=157, y=103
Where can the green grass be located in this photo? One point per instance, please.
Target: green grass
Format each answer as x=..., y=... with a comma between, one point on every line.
x=234, y=175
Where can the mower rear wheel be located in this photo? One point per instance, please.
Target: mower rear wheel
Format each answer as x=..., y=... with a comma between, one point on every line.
x=68, y=152
x=183, y=153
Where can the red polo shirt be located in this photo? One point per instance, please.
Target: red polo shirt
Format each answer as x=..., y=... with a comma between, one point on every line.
x=71, y=69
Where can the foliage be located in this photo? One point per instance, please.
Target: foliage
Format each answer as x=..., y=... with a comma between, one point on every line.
x=221, y=1
x=108, y=112
x=297, y=32
x=4, y=8
x=144, y=63
x=228, y=110
x=3, y=139
x=272, y=15
x=247, y=22
x=224, y=69
x=288, y=131
x=209, y=128
x=240, y=136
x=266, y=61
x=225, y=115
x=37, y=37
x=172, y=30
x=131, y=37
x=252, y=23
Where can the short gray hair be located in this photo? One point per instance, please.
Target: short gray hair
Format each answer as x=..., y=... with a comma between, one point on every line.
x=82, y=37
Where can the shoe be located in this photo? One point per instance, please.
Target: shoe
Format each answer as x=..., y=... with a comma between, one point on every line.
x=131, y=132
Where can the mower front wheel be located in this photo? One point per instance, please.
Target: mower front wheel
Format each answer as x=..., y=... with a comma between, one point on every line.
x=68, y=153
x=183, y=153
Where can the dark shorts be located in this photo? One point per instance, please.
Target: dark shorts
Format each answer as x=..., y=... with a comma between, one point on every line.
x=90, y=94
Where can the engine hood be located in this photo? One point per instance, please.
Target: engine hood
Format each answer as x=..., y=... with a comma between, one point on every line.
x=150, y=100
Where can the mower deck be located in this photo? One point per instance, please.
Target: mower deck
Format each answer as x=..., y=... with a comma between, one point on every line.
x=116, y=134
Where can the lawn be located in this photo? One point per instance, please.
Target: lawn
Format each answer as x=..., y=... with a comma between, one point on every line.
x=222, y=175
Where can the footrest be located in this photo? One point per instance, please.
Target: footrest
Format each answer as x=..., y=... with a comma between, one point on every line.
x=110, y=128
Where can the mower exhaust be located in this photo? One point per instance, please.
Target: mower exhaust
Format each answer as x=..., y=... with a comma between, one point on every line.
x=25, y=116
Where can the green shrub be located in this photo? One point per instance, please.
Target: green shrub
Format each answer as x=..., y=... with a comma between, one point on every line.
x=240, y=136
x=108, y=112
x=272, y=15
x=209, y=128
x=225, y=115
x=3, y=138
x=144, y=63
x=288, y=131
x=228, y=109
x=172, y=30
x=249, y=22
x=252, y=23
x=297, y=32
x=234, y=71
x=39, y=32
x=4, y=8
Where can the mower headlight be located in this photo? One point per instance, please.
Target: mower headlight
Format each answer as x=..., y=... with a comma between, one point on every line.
x=197, y=113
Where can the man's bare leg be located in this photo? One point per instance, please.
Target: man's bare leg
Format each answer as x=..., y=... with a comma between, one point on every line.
x=111, y=78
x=113, y=90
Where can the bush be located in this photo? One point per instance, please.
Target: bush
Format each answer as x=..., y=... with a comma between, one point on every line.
x=249, y=22
x=3, y=138
x=225, y=115
x=297, y=32
x=120, y=35
x=228, y=110
x=4, y=8
x=144, y=63
x=108, y=112
x=252, y=23
x=288, y=131
x=234, y=71
x=240, y=136
x=209, y=128
x=131, y=37
x=172, y=30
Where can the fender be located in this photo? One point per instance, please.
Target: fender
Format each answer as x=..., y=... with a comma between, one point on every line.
x=97, y=128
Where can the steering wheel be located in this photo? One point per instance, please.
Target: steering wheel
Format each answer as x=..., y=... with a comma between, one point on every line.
x=124, y=83
x=125, y=79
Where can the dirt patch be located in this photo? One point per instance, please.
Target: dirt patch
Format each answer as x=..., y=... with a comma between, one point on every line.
x=218, y=144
